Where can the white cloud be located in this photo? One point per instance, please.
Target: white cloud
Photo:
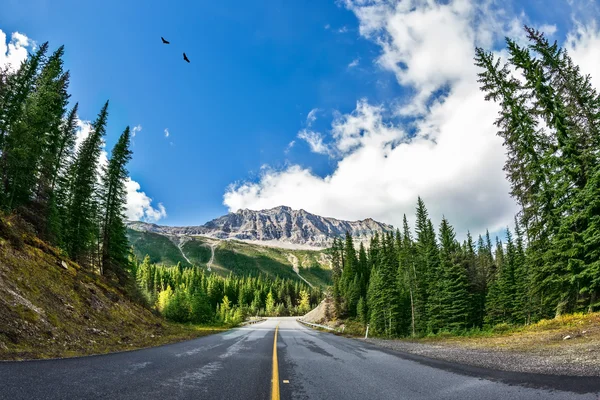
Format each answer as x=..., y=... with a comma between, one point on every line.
x=354, y=63
x=136, y=129
x=167, y=134
x=327, y=26
x=343, y=29
x=289, y=146
x=549, y=30
x=314, y=140
x=452, y=157
x=311, y=117
x=139, y=205
x=13, y=53
x=583, y=45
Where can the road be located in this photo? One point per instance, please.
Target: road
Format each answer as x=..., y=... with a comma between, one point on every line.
x=240, y=364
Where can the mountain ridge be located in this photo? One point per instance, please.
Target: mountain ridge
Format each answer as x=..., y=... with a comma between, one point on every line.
x=278, y=225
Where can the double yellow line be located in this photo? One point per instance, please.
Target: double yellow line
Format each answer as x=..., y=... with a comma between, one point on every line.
x=275, y=378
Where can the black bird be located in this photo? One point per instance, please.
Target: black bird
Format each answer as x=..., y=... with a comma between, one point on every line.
x=165, y=41
x=185, y=58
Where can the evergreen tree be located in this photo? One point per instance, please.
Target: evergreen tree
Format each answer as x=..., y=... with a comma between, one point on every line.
x=115, y=245
x=82, y=228
x=452, y=300
x=27, y=145
x=59, y=184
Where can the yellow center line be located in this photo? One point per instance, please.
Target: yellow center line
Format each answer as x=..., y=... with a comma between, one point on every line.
x=275, y=378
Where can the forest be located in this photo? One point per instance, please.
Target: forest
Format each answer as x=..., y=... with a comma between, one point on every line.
x=428, y=282
x=63, y=191
x=190, y=295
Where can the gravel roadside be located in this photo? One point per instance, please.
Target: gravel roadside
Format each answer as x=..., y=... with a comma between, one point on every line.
x=572, y=363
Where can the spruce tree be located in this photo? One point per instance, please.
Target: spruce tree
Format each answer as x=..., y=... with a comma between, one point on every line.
x=115, y=244
x=452, y=299
x=82, y=228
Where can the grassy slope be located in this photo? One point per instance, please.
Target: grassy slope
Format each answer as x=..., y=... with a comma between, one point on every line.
x=232, y=256
x=244, y=258
x=197, y=251
x=583, y=331
x=573, y=336
x=160, y=249
x=49, y=311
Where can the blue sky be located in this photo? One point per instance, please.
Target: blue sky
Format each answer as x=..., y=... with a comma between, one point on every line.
x=257, y=70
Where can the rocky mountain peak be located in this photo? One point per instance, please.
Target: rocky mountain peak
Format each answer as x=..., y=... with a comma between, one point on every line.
x=280, y=224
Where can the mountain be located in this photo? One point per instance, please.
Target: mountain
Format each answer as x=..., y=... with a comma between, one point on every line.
x=224, y=257
x=279, y=227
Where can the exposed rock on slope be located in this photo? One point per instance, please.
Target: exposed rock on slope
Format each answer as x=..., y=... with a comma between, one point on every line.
x=279, y=224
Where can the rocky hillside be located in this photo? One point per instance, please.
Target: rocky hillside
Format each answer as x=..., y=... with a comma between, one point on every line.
x=279, y=226
x=51, y=307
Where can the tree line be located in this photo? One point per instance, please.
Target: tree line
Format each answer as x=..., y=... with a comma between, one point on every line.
x=549, y=118
x=59, y=188
x=189, y=295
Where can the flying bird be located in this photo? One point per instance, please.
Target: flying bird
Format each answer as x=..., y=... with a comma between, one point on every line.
x=185, y=58
x=164, y=40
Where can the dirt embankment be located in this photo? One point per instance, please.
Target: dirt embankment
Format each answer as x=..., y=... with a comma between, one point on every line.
x=51, y=307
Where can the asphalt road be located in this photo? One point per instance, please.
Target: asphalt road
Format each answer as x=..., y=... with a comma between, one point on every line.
x=240, y=364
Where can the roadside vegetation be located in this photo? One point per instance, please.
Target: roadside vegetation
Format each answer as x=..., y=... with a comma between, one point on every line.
x=427, y=283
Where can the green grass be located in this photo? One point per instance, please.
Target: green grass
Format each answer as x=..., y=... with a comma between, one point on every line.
x=317, y=275
x=242, y=259
x=159, y=248
x=197, y=251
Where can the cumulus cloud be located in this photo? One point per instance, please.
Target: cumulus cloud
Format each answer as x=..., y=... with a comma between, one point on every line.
x=583, y=44
x=354, y=63
x=447, y=153
x=167, y=133
x=139, y=205
x=13, y=52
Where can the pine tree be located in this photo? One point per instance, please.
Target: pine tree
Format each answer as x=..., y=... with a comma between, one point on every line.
x=270, y=304
x=427, y=260
x=27, y=143
x=451, y=303
x=408, y=278
x=115, y=245
x=82, y=228
x=304, y=304
x=16, y=90
x=59, y=184
x=361, y=311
